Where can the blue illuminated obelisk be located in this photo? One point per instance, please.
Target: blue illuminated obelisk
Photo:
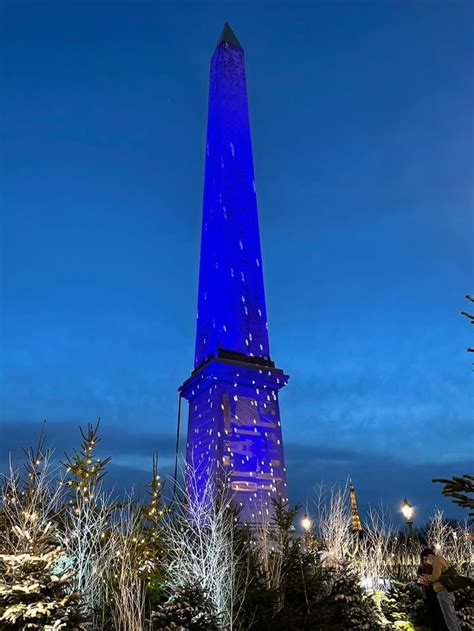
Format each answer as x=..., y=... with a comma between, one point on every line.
x=234, y=417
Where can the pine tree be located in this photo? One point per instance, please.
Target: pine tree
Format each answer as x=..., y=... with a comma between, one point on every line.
x=85, y=472
x=35, y=591
x=346, y=606
x=286, y=583
x=287, y=547
x=35, y=588
x=465, y=608
x=402, y=604
x=148, y=539
x=86, y=520
x=185, y=608
x=461, y=490
x=305, y=588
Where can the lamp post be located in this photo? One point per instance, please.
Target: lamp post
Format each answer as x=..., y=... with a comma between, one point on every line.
x=407, y=510
x=307, y=524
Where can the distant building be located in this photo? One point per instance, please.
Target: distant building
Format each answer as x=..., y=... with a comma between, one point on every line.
x=234, y=417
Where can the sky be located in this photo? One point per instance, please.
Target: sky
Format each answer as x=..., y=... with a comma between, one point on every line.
x=361, y=117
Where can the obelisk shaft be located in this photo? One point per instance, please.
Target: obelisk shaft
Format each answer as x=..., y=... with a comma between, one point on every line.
x=234, y=428
x=231, y=303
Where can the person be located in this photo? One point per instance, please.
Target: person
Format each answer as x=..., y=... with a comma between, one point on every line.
x=430, y=600
x=445, y=598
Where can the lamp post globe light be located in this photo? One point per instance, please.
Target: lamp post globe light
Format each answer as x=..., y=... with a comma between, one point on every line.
x=407, y=510
x=306, y=522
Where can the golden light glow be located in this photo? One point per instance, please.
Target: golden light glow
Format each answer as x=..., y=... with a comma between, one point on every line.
x=407, y=510
x=306, y=523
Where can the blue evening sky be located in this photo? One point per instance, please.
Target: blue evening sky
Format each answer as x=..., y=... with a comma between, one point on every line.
x=362, y=126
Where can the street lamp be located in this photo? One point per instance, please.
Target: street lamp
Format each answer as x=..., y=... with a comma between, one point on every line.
x=407, y=510
x=306, y=522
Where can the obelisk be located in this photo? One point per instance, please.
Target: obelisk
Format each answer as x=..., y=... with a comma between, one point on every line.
x=234, y=427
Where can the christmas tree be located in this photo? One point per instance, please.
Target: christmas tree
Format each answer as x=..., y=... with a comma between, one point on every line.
x=403, y=604
x=35, y=588
x=35, y=593
x=85, y=472
x=86, y=522
x=465, y=608
x=185, y=608
x=149, y=540
x=346, y=606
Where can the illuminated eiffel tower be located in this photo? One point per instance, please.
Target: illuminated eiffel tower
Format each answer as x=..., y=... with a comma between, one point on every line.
x=234, y=416
x=356, y=522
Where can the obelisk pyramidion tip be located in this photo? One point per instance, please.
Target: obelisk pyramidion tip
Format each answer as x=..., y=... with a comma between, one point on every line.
x=229, y=36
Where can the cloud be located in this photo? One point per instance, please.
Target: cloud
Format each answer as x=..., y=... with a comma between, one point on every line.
x=131, y=451
x=378, y=477
x=409, y=414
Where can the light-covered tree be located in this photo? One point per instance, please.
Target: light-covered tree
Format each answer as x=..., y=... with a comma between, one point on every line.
x=333, y=520
x=200, y=538
x=84, y=535
x=126, y=587
x=149, y=529
x=84, y=469
x=35, y=590
x=35, y=585
x=375, y=552
x=85, y=522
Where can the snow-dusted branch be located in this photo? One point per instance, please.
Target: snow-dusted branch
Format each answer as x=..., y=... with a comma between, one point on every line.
x=84, y=536
x=333, y=523
x=375, y=552
x=200, y=537
x=127, y=590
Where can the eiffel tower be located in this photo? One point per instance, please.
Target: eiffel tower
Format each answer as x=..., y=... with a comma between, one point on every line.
x=356, y=522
